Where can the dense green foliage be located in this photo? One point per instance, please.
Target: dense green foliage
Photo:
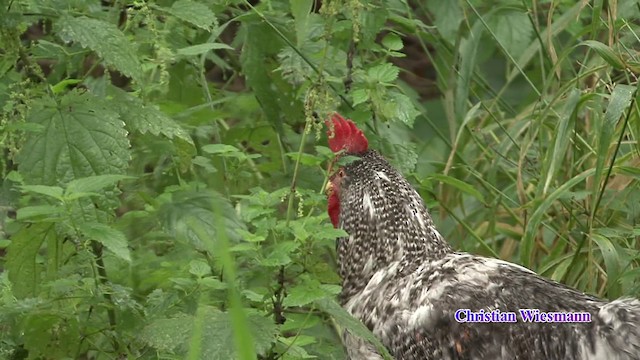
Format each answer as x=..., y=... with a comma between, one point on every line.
x=163, y=161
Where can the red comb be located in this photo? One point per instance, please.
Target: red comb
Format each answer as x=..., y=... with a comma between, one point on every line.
x=344, y=134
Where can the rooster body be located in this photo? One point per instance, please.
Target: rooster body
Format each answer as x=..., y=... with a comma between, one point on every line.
x=407, y=285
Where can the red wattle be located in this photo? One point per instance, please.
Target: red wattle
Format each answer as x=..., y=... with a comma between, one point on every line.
x=333, y=209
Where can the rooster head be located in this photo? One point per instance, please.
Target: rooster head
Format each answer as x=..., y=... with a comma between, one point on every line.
x=344, y=138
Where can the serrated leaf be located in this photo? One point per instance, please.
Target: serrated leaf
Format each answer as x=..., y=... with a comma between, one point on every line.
x=218, y=335
x=359, y=96
x=512, y=30
x=21, y=257
x=305, y=292
x=202, y=48
x=144, y=119
x=93, y=183
x=279, y=255
x=168, y=334
x=112, y=239
x=147, y=119
x=106, y=40
x=199, y=268
x=347, y=321
x=194, y=13
x=81, y=138
x=405, y=110
x=384, y=73
x=404, y=156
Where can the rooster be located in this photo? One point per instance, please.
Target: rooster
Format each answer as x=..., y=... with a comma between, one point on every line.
x=424, y=300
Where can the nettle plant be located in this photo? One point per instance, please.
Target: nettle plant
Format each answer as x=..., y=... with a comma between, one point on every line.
x=158, y=197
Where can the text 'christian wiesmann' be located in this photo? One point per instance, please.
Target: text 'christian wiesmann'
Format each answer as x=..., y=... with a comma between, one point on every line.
x=523, y=315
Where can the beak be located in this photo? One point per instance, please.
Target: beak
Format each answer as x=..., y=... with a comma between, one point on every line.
x=328, y=189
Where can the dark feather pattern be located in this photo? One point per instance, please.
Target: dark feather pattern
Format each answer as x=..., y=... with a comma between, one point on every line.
x=402, y=279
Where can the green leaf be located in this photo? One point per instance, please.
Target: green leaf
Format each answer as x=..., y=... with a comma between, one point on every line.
x=612, y=263
x=467, y=58
x=300, y=9
x=459, y=184
x=347, y=321
x=383, y=73
x=392, y=41
x=218, y=335
x=106, y=40
x=447, y=18
x=144, y=119
x=330, y=233
x=39, y=212
x=260, y=44
x=528, y=239
x=605, y=53
x=220, y=149
x=202, y=48
x=216, y=340
x=189, y=217
x=112, y=239
x=93, y=183
x=618, y=103
x=279, y=255
x=81, y=138
x=212, y=283
x=556, y=153
x=305, y=292
x=405, y=110
x=168, y=334
x=559, y=25
x=21, y=257
x=359, y=96
x=306, y=159
x=61, y=86
x=512, y=29
x=52, y=191
x=403, y=156
x=199, y=268
x=194, y=13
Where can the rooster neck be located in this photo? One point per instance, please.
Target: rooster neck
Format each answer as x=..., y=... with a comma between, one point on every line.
x=386, y=221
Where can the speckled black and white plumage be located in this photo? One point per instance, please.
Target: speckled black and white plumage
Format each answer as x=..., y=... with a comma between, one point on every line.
x=403, y=280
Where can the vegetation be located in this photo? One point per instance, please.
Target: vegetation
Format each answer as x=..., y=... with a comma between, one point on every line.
x=163, y=161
